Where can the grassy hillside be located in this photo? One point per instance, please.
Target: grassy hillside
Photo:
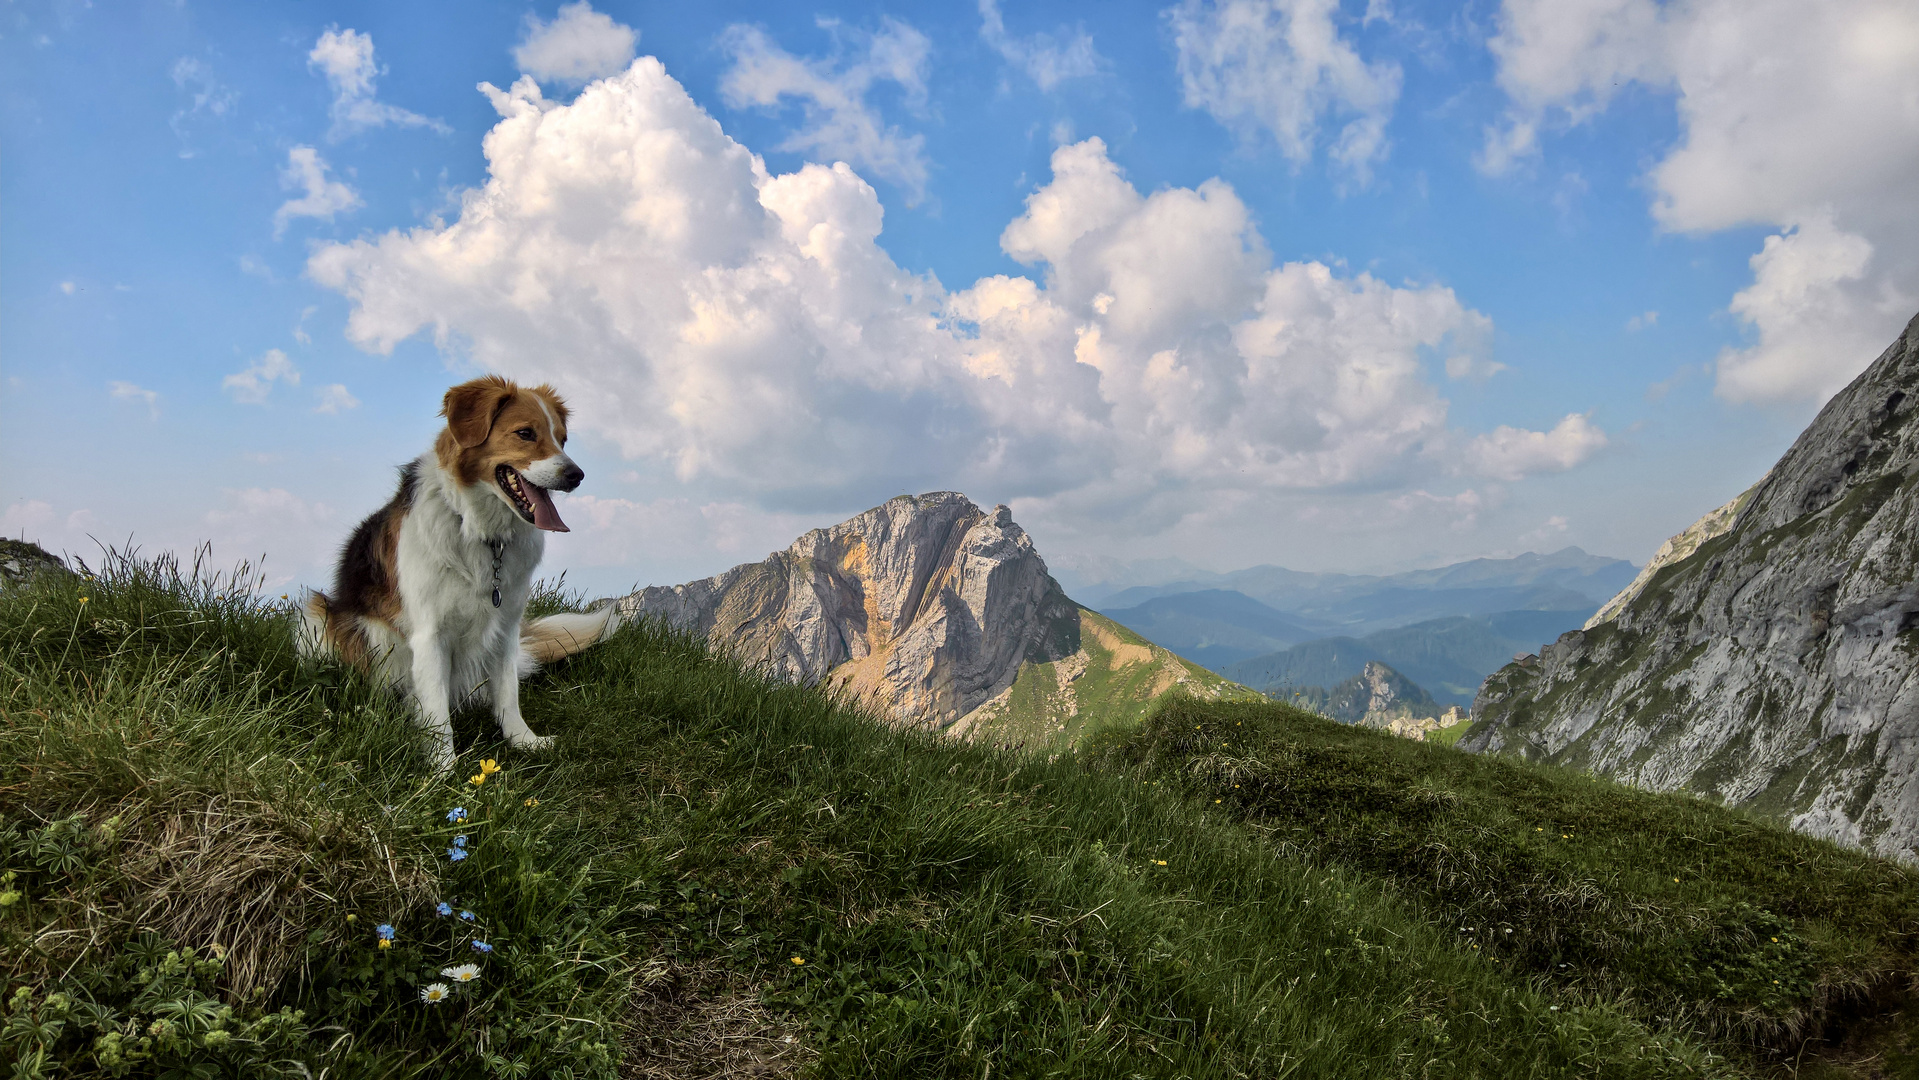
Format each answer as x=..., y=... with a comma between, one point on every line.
x=204, y=846
x=1115, y=680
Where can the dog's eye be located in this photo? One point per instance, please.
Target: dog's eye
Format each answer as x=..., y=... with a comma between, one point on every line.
x=526, y=433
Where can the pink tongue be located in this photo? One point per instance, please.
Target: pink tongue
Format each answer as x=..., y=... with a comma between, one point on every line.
x=544, y=516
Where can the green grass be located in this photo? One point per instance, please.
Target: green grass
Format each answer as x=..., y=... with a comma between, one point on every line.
x=713, y=872
x=1114, y=681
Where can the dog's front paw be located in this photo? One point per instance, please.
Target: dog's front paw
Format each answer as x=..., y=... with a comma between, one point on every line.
x=531, y=743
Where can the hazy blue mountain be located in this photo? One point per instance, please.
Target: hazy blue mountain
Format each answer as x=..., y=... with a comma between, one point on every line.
x=1213, y=627
x=1447, y=657
x=1358, y=604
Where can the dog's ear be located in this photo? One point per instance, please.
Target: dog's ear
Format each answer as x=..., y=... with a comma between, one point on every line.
x=471, y=407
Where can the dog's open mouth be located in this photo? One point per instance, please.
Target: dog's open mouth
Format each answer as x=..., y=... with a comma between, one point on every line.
x=530, y=499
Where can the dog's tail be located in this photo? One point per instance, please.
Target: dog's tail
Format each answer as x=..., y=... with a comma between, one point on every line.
x=310, y=636
x=555, y=637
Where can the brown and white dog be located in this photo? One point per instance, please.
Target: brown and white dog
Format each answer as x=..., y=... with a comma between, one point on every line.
x=431, y=591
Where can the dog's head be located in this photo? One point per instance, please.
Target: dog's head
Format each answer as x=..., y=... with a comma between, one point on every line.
x=511, y=439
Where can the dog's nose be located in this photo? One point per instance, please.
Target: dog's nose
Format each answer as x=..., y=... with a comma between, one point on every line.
x=571, y=478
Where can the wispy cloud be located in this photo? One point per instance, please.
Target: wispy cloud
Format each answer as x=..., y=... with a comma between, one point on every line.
x=345, y=57
x=204, y=93
x=840, y=122
x=254, y=384
x=1047, y=59
x=320, y=198
x=1281, y=66
x=126, y=391
x=334, y=398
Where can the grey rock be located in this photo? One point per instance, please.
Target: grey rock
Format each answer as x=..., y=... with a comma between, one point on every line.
x=21, y=562
x=924, y=607
x=1775, y=667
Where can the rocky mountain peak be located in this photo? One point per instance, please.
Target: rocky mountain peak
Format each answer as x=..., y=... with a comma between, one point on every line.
x=1776, y=665
x=925, y=607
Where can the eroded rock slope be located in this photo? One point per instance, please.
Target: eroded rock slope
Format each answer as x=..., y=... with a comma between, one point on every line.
x=1773, y=667
x=925, y=607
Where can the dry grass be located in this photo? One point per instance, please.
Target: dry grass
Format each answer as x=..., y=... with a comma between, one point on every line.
x=702, y=1022
x=240, y=873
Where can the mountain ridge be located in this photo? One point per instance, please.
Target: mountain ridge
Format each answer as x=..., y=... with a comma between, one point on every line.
x=1775, y=667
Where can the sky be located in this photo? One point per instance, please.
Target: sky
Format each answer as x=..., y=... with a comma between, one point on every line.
x=1360, y=286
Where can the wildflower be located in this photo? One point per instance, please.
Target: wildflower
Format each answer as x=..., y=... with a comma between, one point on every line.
x=1159, y=862
x=433, y=993
x=482, y=947
x=443, y=909
x=489, y=767
x=465, y=973
x=456, y=815
x=798, y=960
x=530, y=801
x=467, y=916
x=353, y=918
x=83, y=599
x=386, y=943
x=455, y=854
x=385, y=930
x=1215, y=800
x=459, y=841
x=477, y=779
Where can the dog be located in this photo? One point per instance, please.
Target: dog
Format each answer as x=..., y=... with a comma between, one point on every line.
x=430, y=592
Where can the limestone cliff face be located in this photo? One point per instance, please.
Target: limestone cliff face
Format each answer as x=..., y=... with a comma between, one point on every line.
x=925, y=607
x=1776, y=667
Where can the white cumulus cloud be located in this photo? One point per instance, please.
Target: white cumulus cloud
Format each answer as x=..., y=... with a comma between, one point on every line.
x=320, y=197
x=1799, y=117
x=253, y=384
x=840, y=121
x=345, y=57
x=746, y=333
x=1047, y=58
x=1282, y=66
x=578, y=46
x=1508, y=453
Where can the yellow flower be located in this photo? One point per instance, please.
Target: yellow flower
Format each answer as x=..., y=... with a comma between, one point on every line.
x=1159, y=862
x=385, y=944
x=83, y=599
x=797, y=960
x=476, y=781
x=530, y=801
x=489, y=767
x=353, y=918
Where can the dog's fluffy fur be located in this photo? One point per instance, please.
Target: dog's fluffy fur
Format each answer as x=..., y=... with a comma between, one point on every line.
x=412, y=600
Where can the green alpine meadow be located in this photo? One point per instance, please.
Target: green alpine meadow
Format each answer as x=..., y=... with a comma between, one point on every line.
x=219, y=862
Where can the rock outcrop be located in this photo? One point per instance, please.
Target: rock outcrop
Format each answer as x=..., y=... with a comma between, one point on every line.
x=21, y=562
x=1776, y=667
x=926, y=608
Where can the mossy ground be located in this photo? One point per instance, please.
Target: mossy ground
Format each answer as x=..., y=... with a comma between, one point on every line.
x=712, y=873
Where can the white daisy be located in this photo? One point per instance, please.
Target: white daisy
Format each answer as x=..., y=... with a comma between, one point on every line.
x=465, y=973
x=434, y=993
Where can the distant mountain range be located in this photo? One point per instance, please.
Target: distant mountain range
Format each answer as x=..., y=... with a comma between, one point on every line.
x=1448, y=658
x=1358, y=604
x=1281, y=631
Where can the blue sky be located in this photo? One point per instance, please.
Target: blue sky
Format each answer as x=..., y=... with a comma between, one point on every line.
x=1359, y=286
